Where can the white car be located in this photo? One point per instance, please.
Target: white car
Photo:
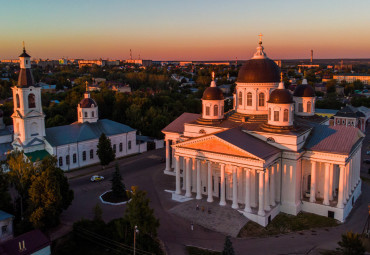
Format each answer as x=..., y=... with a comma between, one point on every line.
x=96, y=178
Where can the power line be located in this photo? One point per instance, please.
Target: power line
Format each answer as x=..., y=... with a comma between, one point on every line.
x=110, y=241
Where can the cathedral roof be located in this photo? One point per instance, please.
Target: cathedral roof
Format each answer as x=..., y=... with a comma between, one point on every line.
x=88, y=103
x=79, y=132
x=177, y=126
x=259, y=71
x=349, y=112
x=25, y=78
x=334, y=139
x=304, y=90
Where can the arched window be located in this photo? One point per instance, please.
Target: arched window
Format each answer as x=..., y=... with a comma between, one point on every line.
x=74, y=158
x=215, y=110
x=92, y=114
x=67, y=160
x=129, y=145
x=60, y=161
x=18, y=102
x=286, y=115
x=276, y=115
x=240, y=98
x=249, y=99
x=261, y=99
x=91, y=153
x=84, y=155
x=85, y=114
x=207, y=110
x=300, y=107
x=309, y=106
x=120, y=147
x=269, y=113
x=31, y=101
x=80, y=114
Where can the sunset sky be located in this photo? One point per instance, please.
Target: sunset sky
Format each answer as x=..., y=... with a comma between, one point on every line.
x=184, y=30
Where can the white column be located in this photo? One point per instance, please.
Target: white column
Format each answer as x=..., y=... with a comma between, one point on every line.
x=261, y=211
x=235, y=189
x=331, y=179
x=347, y=181
x=253, y=182
x=313, y=182
x=340, y=188
x=209, y=186
x=177, y=169
x=167, y=156
x=184, y=173
x=222, y=195
x=278, y=184
x=326, y=184
x=199, y=188
x=188, y=178
x=173, y=154
x=247, y=207
x=349, y=178
x=267, y=190
x=352, y=175
x=272, y=186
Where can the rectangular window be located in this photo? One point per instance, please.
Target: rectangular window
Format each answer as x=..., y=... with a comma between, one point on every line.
x=91, y=154
x=129, y=145
x=84, y=155
x=60, y=161
x=114, y=148
x=300, y=107
x=276, y=115
x=120, y=147
x=67, y=159
x=74, y=158
x=4, y=229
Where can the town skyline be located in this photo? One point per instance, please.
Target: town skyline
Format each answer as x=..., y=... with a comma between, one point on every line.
x=164, y=30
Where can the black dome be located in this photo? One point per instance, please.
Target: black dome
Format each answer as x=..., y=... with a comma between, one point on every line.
x=259, y=70
x=280, y=96
x=304, y=90
x=213, y=93
x=87, y=103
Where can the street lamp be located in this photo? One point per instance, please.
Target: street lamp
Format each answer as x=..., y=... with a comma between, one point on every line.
x=136, y=230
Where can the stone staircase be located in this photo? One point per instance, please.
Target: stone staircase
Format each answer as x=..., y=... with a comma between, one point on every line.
x=240, y=117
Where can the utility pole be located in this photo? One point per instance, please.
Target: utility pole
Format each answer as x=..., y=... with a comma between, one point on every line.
x=135, y=230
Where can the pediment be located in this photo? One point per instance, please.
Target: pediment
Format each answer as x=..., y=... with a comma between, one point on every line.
x=215, y=145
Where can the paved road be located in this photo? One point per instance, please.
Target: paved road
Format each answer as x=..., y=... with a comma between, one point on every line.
x=146, y=171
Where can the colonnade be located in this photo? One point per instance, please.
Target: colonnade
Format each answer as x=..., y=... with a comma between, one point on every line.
x=349, y=177
x=265, y=183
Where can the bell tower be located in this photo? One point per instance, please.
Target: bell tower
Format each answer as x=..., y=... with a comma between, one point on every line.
x=28, y=117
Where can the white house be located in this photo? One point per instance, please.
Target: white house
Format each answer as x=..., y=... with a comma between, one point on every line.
x=270, y=154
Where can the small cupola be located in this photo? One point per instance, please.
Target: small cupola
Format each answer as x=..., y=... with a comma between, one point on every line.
x=304, y=98
x=280, y=106
x=213, y=102
x=87, y=108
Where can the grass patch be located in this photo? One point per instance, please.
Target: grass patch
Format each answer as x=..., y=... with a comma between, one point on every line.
x=285, y=223
x=191, y=250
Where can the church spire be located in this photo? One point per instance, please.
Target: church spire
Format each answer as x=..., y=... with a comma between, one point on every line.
x=25, y=78
x=260, y=54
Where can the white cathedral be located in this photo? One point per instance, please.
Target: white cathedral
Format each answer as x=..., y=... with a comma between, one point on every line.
x=270, y=154
x=74, y=145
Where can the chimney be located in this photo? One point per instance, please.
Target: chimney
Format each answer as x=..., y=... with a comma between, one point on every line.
x=311, y=56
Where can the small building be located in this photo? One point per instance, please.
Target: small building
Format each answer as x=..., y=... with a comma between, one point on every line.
x=98, y=62
x=6, y=226
x=31, y=243
x=326, y=112
x=351, y=116
x=364, y=78
x=225, y=88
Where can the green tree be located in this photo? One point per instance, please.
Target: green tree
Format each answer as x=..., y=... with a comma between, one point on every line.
x=49, y=194
x=105, y=151
x=351, y=244
x=228, y=247
x=5, y=199
x=118, y=187
x=98, y=212
x=138, y=213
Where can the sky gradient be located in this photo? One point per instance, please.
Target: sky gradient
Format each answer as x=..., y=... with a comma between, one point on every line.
x=184, y=30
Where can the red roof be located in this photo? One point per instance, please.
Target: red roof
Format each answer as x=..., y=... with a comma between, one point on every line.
x=177, y=126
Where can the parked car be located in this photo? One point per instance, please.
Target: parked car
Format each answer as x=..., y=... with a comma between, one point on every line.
x=96, y=178
x=367, y=161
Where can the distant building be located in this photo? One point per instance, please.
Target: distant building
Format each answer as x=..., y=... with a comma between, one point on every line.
x=6, y=226
x=353, y=117
x=99, y=62
x=30, y=243
x=10, y=61
x=326, y=112
x=225, y=88
x=140, y=62
x=364, y=78
x=339, y=90
x=121, y=88
x=309, y=66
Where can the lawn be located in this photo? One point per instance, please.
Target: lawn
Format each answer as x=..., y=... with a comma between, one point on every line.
x=200, y=251
x=285, y=223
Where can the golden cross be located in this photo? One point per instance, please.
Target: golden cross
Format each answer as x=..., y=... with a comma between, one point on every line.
x=260, y=35
x=213, y=76
x=87, y=86
x=281, y=76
